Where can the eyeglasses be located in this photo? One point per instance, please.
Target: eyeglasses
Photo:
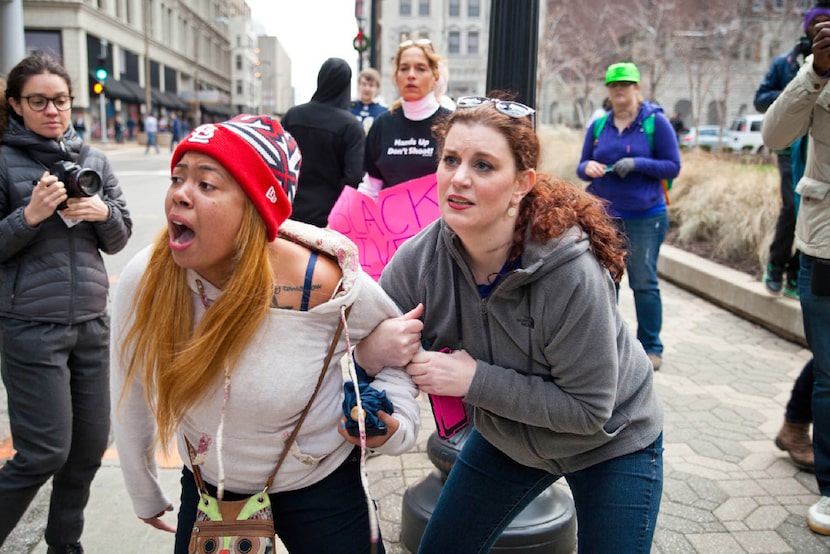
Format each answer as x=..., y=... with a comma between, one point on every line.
x=425, y=42
x=39, y=103
x=507, y=107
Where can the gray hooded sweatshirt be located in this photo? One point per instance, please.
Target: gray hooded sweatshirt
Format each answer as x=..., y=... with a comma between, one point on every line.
x=560, y=384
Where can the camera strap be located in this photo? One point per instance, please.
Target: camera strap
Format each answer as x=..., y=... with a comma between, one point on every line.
x=82, y=155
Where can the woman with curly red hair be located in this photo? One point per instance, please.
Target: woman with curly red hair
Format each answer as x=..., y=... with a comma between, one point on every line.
x=517, y=278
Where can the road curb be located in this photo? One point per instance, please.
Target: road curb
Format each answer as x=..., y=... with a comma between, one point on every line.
x=732, y=290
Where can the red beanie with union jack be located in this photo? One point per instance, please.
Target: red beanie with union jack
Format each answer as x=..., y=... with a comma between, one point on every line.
x=263, y=158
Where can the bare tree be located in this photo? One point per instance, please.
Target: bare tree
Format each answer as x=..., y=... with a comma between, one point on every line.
x=578, y=46
x=652, y=26
x=714, y=50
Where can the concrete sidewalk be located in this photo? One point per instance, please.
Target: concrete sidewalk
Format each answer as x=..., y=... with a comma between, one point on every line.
x=724, y=383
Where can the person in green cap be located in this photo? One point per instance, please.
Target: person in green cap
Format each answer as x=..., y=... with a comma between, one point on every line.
x=626, y=156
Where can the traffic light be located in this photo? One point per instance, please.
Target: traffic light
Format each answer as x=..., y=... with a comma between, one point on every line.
x=98, y=88
x=101, y=72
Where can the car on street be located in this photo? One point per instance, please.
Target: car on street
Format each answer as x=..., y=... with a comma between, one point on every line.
x=745, y=134
x=707, y=137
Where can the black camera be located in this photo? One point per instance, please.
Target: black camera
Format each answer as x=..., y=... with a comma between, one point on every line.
x=804, y=46
x=80, y=181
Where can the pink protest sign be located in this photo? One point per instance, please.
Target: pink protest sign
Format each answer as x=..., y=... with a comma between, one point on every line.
x=379, y=227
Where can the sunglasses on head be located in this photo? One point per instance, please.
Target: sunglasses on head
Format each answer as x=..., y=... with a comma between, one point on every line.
x=507, y=107
x=425, y=42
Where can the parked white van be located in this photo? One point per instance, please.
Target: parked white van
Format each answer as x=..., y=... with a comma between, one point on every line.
x=745, y=134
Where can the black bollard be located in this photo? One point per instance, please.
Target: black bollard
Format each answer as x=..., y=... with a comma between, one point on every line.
x=546, y=526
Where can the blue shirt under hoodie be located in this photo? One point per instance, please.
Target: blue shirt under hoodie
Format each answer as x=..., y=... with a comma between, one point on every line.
x=640, y=194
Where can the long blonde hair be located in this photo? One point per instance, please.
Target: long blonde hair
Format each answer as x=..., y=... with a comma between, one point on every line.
x=176, y=362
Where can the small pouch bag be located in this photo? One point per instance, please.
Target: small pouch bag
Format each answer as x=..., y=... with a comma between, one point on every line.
x=237, y=526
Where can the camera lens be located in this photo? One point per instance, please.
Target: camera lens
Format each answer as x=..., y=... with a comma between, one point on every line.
x=89, y=182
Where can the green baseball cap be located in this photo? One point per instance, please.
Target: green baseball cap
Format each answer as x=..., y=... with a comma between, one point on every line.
x=623, y=71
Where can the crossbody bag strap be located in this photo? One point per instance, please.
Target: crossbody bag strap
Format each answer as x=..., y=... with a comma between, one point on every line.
x=296, y=431
x=197, y=473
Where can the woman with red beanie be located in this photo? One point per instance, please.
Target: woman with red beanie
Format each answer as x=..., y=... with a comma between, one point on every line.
x=221, y=329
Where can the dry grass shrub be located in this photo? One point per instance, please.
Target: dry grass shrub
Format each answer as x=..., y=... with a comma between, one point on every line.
x=722, y=206
x=730, y=205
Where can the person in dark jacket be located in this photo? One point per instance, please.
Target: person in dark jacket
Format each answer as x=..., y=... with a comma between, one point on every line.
x=54, y=327
x=784, y=261
x=331, y=141
x=781, y=274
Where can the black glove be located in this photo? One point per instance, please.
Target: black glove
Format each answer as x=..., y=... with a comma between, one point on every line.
x=623, y=167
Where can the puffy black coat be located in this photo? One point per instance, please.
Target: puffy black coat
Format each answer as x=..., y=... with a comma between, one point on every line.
x=51, y=272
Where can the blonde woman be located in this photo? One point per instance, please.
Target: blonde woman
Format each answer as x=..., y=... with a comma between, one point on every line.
x=222, y=327
x=400, y=145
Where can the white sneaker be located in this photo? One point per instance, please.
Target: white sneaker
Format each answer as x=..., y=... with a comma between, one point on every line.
x=818, y=517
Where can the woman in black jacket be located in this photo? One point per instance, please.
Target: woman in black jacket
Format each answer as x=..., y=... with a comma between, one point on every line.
x=60, y=206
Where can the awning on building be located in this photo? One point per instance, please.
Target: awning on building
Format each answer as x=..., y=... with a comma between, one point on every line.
x=175, y=102
x=136, y=89
x=216, y=109
x=168, y=100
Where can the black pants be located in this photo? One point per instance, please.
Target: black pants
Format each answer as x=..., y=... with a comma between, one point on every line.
x=781, y=254
x=329, y=516
x=57, y=381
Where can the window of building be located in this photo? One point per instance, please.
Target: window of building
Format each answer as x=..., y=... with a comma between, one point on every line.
x=472, y=42
x=455, y=8
x=239, y=62
x=44, y=41
x=423, y=7
x=239, y=88
x=758, y=5
x=778, y=6
x=473, y=8
x=454, y=43
x=405, y=7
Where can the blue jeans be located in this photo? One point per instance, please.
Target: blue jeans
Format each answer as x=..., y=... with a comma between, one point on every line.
x=328, y=516
x=644, y=236
x=815, y=310
x=616, y=501
x=151, y=141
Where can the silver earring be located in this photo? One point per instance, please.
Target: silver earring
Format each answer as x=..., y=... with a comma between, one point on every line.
x=512, y=211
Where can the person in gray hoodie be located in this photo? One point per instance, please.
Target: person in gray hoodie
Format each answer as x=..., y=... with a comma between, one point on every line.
x=517, y=278
x=332, y=143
